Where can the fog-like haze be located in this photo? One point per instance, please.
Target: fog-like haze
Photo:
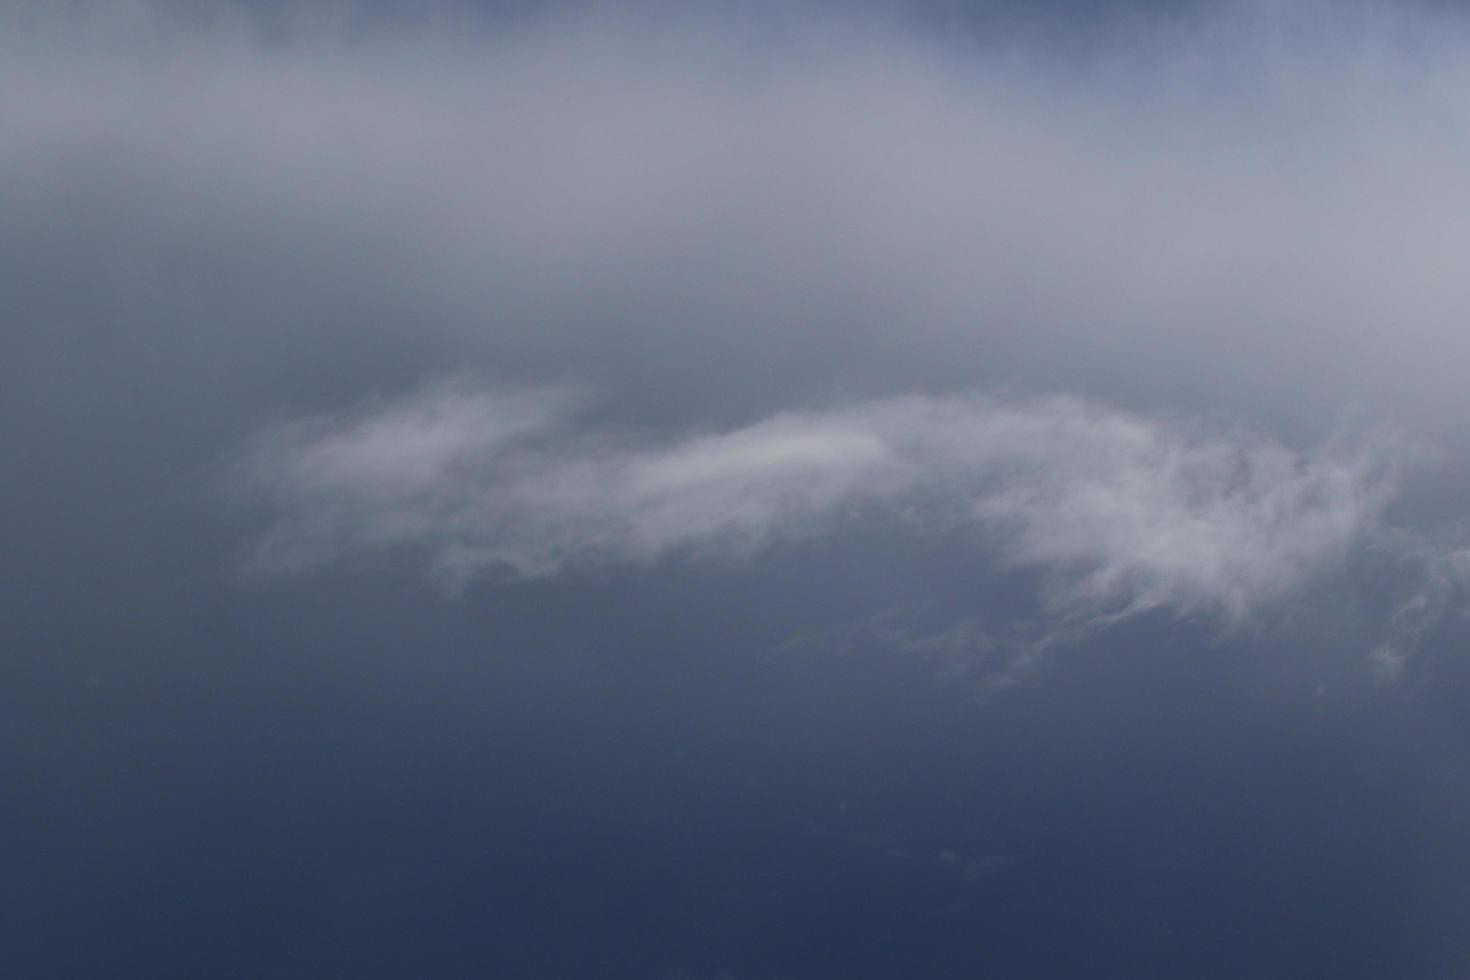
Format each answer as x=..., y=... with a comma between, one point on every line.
x=755, y=419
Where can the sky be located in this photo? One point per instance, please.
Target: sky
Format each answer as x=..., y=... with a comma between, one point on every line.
x=746, y=491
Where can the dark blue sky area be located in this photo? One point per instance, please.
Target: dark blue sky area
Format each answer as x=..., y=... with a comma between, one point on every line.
x=650, y=785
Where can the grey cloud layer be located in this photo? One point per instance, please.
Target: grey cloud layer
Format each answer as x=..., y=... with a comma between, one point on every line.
x=1252, y=216
x=1263, y=219
x=1125, y=513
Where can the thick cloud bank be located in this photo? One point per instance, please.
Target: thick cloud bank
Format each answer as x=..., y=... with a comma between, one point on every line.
x=1257, y=209
x=1125, y=512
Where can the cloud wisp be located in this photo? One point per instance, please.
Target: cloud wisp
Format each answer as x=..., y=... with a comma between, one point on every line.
x=1121, y=512
x=1240, y=214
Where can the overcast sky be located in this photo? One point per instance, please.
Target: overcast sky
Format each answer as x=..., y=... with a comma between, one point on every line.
x=759, y=491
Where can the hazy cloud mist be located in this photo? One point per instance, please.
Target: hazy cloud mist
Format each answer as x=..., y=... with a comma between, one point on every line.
x=1253, y=214
x=762, y=383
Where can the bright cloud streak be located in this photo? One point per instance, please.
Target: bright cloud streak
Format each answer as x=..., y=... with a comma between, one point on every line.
x=1124, y=512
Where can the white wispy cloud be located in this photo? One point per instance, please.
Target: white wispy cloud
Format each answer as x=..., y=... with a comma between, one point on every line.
x=1122, y=512
x=1240, y=214
x=1438, y=576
